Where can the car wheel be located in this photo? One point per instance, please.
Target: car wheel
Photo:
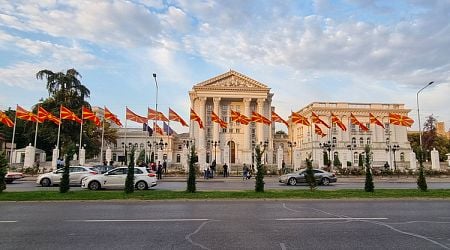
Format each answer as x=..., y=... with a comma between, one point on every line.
x=325, y=181
x=292, y=181
x=94, y=185
x=45, y=182
x=141, y=185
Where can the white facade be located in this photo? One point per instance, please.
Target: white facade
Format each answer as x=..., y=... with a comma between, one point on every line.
x=347, y=145
x=221, y=94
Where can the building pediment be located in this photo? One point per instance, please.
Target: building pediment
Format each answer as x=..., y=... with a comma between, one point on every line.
x=231, y=80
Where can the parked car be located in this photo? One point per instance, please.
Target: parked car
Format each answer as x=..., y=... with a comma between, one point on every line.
x=322, y=177
x=76, y=174
x=101, y=169
x=12, y=176
x=115, y=178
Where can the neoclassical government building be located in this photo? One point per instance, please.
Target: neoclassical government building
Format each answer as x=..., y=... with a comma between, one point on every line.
x=234, y=145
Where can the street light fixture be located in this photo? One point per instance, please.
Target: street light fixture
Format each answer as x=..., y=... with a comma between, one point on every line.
x=351, y=147
x=328, y=146
x=264, y=145
x=214, y=144
x=393, y=148
x=418, y=113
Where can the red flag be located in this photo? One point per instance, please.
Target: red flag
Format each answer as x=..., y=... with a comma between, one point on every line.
x=130, y=115
x=175, y=117
x=157, y=129
x=215, y=118
x=277, y=118
x=400, y=120
x=373, y=119
x=157, y=116
x=238, y=117
x=5, y=120
x=196, y=118
x=315, y=119
x=44, y=115
x=338, y=122
x=299, y=119
x=89, y=115
x=318, y=131
x=257, y=117
x=23, y=114
x=112, y=117
x=355, y=121
x=67, y=114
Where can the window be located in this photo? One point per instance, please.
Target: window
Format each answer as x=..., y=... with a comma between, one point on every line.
x=368, y=141
x=354, y=140
x=179, y=147
x=178, y=158
x=238, y=131
x=402, y=156
x=224, y=130
x=361, y=141
x=230, y=130
x=355, y=157
x=334, y=140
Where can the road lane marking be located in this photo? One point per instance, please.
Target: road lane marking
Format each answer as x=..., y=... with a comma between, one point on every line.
x=150, y=220
x=329, y=218
x=8, y=221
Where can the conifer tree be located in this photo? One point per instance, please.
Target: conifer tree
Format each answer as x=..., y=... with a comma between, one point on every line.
x=129, y=182
x=191, y=188
x=421, y=181
x=3, y=171
x=368, y=187
x=259, y=185
x=310, y=179
x=64, y=186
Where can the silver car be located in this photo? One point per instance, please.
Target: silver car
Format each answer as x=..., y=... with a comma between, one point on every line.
x=76, y=174
x=322, y=177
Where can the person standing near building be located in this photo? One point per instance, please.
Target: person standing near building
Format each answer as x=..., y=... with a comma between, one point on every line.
x=165, y=167
x=244, y=172
x=213, y=168
x=225, y=170
x=159, y=171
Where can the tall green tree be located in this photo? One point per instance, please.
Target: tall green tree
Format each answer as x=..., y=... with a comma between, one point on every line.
x=129, y=182
x=64, y=185
x=3, y=171
x=64, y=85
x=421, y=180
x=336, y=161
x=259, y=185
x=310, y=179
x=368, y=187
x=191, y=187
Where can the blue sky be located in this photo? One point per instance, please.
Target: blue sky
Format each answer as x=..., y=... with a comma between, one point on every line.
x=305, y=51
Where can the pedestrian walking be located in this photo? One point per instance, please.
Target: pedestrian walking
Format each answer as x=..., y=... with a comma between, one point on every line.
x=244, y=172
x=159, y=171
x=165, y=167
x=213, y=168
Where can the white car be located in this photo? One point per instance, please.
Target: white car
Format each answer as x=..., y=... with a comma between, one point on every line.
x=76, y=174
x=115, y=178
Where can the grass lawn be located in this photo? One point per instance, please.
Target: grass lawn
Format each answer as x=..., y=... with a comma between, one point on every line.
x=269, y=194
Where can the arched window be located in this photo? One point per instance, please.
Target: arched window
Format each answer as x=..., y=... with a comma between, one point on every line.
x=368, y=141
x=354, y=140
x=361, y=141
x=334, y=140
x=355, y=157
x=402, y=156
x=178, y=158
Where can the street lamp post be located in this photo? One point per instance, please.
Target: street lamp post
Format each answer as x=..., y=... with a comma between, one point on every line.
x=351, y=147
x=328, y=146
x=418, y=113
x=393, y=148
x=264, y=145
x=214, y=144
x=292, y=145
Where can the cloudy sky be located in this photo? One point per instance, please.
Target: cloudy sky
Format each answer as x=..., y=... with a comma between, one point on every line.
x=305, y=51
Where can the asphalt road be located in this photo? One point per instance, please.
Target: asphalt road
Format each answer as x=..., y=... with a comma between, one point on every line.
x=404, y=224
x=270, y=183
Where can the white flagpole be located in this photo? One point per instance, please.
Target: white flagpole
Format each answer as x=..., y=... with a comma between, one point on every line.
x=59, y=129
x=103, y=136
x=12, y=141
x=81, y=131
x=125, y=144
x=35, y=133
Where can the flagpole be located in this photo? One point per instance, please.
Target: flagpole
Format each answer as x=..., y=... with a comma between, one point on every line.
x=13, y=137
x=81, y=131
x=59, y=129
x=103, y=135
x=35, y=133
x=125, y=143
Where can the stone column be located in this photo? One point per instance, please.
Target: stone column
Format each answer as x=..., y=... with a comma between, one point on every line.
x=226, y=157
x=435, y=160
x=279, y=157
x=246, y=147
x=184, y=158
x=201, y=132
x=259, y=126
x=55, y=156
x=216, y=130
x=82, y=156
x=29, y=156
x=108, y=155
x=297, y=158
x=412, y=160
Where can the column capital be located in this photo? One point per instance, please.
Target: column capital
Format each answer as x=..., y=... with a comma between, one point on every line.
x=201, y=99
x=216, y=99
x=247, y=101
x=260, y=101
